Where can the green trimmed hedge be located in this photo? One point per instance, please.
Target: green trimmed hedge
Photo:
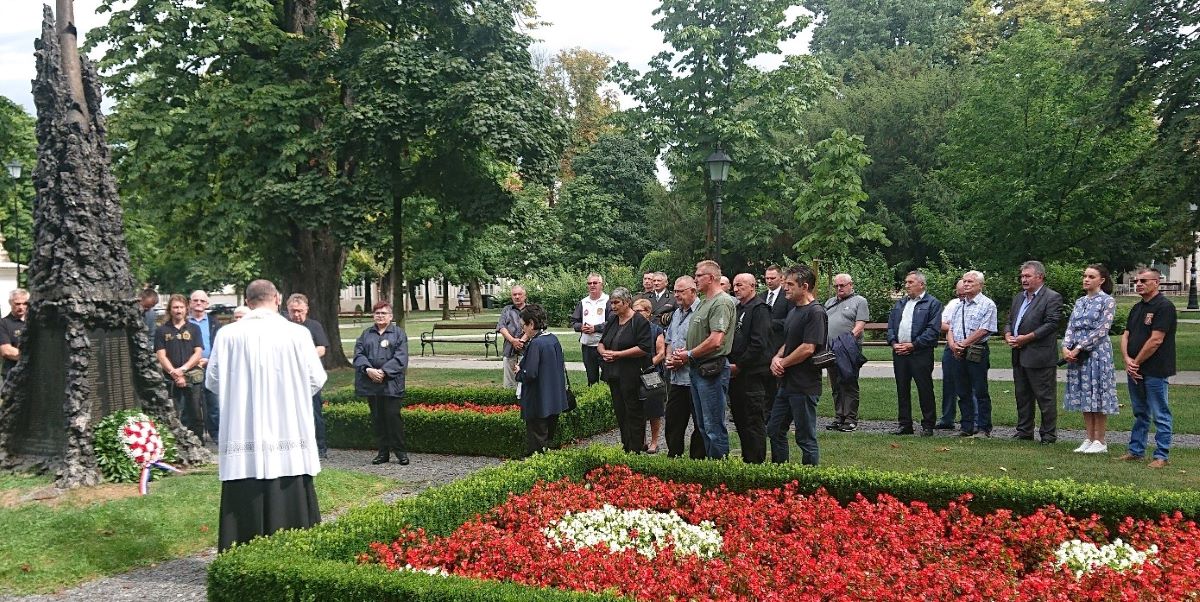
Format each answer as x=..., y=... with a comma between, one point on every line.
x=348, y=422
x=319, y=563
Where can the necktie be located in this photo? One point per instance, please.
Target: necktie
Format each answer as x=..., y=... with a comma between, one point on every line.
x=771, y=299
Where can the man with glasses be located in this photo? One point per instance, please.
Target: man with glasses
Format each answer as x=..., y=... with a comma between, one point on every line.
x=706, y=349
x=679, y=395
x=198, y=315
x=588, y=320
x=1032, y=332
x=847, y=313
x=1148, y=347
x=12, y=327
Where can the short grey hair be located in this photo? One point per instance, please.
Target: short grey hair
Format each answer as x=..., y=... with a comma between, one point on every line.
x=260, y=291
x=976, y=274
x=686, y=281
x=621, y=294
x=849, y=280
x=17, y=292
x=919, y=275
x=594, y=274
x=1036, y=266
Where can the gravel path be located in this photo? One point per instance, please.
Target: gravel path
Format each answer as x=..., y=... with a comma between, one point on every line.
x=184, y=579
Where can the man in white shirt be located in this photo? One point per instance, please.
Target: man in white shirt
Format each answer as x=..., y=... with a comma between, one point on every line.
x=588, y=320
x=265, y=370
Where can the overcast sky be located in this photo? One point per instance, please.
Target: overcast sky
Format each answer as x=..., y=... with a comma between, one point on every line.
x=619, y=28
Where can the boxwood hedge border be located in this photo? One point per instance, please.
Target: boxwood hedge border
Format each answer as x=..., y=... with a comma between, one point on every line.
x=319, y=563
x=348, y=421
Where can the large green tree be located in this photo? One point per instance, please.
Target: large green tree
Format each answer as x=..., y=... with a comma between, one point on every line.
x=706, y=91
x=829, y=207
x=17, y=143
x=1031, y=172
x=847, y=28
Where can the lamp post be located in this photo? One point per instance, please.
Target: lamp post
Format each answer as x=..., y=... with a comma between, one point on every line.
x=718, y=170
x=14, y=172
x=1192, y=302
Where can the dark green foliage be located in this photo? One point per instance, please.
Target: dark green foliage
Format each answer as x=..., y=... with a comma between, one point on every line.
x=319, y=563
x=17, y=143
x=115, y=464
x=348, y=423
x=850, y=27
x=873, y=278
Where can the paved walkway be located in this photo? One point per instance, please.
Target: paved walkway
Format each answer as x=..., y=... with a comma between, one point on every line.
x=871, y=370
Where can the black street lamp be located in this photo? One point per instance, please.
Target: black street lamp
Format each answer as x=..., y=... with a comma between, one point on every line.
x=718, y=171
x=1192, y=302
x=14, y=172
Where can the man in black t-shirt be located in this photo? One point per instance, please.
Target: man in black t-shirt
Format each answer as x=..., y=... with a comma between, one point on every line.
x=178, y=347
x=297, y=306
x=12, y=327
x=804, y=334
x=1148, y=347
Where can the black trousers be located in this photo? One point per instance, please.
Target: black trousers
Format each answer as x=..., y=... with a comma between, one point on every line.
x=628, y=408
x=319, y=423
x=770, y=390
x=189, y=406
x=539, y=432
x=747, y=404
x=845, y=396
x=916, y=366
x=1036, y=386
x=591, y=363
x=387, y=423
x=679, y=412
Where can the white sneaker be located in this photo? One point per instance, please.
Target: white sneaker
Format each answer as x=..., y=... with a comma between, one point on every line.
x=1097, y=447
x=1083, y=446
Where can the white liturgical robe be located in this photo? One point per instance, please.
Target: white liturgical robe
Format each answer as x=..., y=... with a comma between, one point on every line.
x=265, y=371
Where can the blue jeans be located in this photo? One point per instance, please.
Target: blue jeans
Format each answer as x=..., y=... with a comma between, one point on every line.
x=949, y=388
x=708, y=401
x=1149, y=400
x=803, y=409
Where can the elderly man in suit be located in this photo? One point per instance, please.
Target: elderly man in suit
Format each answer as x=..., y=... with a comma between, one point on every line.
x=914, y=325
x=1031, y=331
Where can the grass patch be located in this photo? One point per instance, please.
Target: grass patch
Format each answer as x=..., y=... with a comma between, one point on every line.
x=46, y=549
x=444, y=377
x=1002, y=458
x=878, y=402
x=19, y=481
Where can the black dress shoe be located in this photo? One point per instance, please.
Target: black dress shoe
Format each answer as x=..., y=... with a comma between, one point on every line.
x=848, y=427
x=1023, y=437
x=966, y=433
x=833, y=426
x=382, y=458
x=402, y=458
x=942, y=426
x=926, y=432
x=901, y=431
x=1047, y=441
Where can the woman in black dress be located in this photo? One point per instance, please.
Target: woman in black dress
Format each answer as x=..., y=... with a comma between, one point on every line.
x=624, y=347
x=654, y=405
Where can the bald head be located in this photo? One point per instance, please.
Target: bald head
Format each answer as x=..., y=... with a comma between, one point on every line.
x=744, y=286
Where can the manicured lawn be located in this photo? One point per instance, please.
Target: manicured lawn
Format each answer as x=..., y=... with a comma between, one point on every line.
x=1001, y=457
x=89, y=534
x=879, y=403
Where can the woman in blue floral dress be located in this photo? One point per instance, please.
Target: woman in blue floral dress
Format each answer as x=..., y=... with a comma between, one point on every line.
x=1091, y=382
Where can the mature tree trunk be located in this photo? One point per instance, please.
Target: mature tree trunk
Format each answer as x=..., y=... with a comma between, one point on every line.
x=318, y=274
x=398, y=252
x=367, y=302
x=446, y=299
x=412, y=297
x=476, y=297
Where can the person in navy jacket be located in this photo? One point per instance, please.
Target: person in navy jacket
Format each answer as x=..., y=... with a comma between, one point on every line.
x=380, y=360
x=541, y=378
x=913, y=329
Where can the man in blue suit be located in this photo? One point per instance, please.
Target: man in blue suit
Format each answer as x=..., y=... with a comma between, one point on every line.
x=914, y=325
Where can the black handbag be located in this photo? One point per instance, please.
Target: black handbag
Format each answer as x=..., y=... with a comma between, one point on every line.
x=571, y=403
x=711, y=367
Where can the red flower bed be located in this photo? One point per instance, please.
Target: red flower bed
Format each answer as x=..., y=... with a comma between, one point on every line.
x=780, y=545
x=465, y=406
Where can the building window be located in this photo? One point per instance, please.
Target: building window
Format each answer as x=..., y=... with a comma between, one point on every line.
x=358, y=291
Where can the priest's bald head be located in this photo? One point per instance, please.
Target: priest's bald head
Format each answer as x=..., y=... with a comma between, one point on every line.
x=262, y=293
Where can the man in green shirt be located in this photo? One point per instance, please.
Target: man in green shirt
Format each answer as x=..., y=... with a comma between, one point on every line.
x=709, y=339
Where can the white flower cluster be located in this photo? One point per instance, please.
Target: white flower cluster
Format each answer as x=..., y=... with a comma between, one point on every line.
x=643, y=530
x=436, y=571
x=1081, y=556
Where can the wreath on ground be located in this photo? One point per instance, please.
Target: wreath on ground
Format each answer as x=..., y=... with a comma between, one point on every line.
x=128, y=445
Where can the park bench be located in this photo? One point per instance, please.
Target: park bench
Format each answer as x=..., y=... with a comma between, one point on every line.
x=880, y=340
x=464, y=306
x=488, y=336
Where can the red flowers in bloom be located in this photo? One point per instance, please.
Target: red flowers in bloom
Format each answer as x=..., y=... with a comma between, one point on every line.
x=465, y=406
x=781, y=545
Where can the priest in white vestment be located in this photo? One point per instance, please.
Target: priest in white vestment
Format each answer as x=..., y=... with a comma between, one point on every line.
x=265, y=370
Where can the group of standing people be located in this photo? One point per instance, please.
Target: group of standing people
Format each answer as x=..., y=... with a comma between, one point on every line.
x=1031, y=333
